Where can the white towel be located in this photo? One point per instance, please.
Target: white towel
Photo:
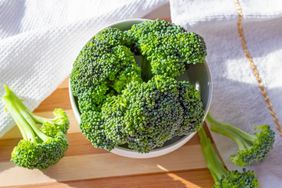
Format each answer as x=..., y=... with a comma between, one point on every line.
x=236, y=97
x=40, y=39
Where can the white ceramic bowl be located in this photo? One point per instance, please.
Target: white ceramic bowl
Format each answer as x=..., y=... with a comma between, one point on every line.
x=198, y=74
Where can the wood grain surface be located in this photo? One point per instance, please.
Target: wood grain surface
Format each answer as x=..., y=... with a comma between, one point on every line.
x=86, y=166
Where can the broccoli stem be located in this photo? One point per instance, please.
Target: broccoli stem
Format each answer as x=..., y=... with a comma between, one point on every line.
x=240, y=137
x=26, y=132
x=23, y=117
x=40, y=120
x=214, y=163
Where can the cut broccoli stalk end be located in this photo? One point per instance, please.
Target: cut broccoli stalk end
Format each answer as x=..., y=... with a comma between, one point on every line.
x=22, y=117
x=214, y=163
x=243, y=139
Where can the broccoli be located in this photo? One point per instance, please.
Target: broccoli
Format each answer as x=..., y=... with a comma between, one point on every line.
x=168, y=47
x=103, y=68
x=139, y=106
x=44, y=140
x=251, y=148
x=159, y=110
x=223, y=177
x=145, y=115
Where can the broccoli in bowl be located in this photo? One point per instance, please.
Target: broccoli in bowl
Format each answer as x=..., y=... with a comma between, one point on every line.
x=134, y=85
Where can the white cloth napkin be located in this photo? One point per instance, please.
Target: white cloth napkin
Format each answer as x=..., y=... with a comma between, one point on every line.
x=236, y=96
x=40, y=39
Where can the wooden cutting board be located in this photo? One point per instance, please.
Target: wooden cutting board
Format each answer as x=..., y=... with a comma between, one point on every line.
x=86, y=166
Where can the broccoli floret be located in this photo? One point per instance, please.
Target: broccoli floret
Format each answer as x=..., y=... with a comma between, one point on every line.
x=251, y=148
x=103, y=68
x=168, y=47
x=44, y=140
x=146, y=115
x=169, y=54
x=223, y=177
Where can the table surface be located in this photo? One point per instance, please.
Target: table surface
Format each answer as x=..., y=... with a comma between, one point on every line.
x=86, y=166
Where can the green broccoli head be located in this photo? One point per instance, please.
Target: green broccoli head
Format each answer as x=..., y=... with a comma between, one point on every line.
x=103, y=68
x=169, y=48
x=224, y=178
x=146, y=115
x=251, y=148
x=169, y=54
x=257, y=149
x=44, y=140
x=119, y=105
x=40, y=154
x=107, y=68
x=236, y=179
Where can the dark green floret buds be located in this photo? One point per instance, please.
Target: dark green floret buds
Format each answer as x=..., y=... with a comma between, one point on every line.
x=252, y=148
x=102, y=69
x=125, y=84
x=168, y=47
x=145, y=115
x=44, y=140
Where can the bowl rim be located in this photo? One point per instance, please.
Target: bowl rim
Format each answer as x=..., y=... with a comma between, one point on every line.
x=158, y=151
